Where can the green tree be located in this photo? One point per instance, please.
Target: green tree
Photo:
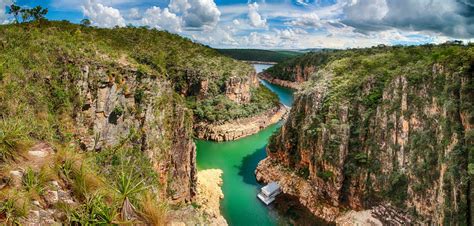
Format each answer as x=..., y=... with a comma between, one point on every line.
x=15, y=11
x=86, y=22
x=38, y=13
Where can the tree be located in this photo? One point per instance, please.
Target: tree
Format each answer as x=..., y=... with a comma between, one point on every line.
x=25, y=14
x=38, y=13
x=15, y=11
x=86, y=22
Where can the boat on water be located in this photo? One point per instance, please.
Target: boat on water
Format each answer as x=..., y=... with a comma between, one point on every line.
x=269, y=192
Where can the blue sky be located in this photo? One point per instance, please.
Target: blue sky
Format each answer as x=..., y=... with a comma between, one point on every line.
x=278, y=24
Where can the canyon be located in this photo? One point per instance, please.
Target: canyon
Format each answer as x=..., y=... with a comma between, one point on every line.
x=390, y=131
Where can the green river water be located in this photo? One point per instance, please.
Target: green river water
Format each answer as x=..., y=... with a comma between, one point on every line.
x=238, y=159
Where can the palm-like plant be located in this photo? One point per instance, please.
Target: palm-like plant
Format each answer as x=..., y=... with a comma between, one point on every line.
x=128, y=186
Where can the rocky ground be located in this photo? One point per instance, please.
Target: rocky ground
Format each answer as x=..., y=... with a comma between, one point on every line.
x=239, y=128
x=42, y=210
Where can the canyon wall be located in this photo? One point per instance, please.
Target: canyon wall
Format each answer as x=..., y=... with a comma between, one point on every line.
x=359, y=136
x=239, y=128
x=126, y=107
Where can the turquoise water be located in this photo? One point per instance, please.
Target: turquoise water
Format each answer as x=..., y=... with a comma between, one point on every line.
x=238, y=160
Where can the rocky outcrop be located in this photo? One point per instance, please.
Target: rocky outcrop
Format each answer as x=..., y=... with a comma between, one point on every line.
x=119, y=106
x=241, y=127
x=210, y=194
x=284, y=83
x=238, y=88
x=206, y=208
x=399, y=141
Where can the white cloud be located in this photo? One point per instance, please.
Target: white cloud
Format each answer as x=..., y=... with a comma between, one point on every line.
x=201, y=13
x=254, y=17
x=236, y=22
x=179, y=6
x=306, y=20
x=161, y=19
x=3, y=13
x=133, y=14
x=102, y=16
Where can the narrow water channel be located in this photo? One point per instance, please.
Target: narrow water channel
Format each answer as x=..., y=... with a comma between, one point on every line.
x=238, y=160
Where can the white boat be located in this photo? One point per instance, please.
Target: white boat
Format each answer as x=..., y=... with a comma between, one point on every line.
x=269, y=192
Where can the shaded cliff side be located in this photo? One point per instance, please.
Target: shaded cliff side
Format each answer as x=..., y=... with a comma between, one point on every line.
x=382, y=126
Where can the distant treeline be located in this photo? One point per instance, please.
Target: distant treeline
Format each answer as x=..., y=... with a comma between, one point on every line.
x=259, y=54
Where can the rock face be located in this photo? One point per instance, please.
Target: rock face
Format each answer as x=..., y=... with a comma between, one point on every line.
x=239, y=128
x=285, y=83
x=118, y=106
x=238, y=88
x=402, y=141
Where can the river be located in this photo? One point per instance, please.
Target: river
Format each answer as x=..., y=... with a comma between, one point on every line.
x=238, y=160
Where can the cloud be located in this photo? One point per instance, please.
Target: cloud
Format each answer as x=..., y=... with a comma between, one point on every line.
x=449, y=17
x=3, y=13
x=179, y=6
x=306, y=20
x=162, y=19
x=102, y=16
x=254, y=17
x=133, y=14
x=201, y=13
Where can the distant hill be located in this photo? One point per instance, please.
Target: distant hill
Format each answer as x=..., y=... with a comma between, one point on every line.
x=259, y=54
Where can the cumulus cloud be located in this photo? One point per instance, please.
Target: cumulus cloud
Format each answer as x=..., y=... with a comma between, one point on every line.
x=254, y=16
x=179, y=6
x=102, y=16
x=306, y=20
x=449, y=17
x=3, y=12
x=133, y=14
x=201, y=13
x=161, y=19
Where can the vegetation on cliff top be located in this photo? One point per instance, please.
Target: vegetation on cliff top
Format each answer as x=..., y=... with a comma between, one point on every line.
x=259, y=54
x=40, y=64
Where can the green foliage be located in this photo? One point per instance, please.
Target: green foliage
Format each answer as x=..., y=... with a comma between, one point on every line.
x=33, y=181
x=86, y=22
x=128, y=185
x=94, y=211
x=14, y=134
x=13, y=209
x=221, y=109
x=259, y=54
x=326, y=175
x=397, y=188
x=37, y=13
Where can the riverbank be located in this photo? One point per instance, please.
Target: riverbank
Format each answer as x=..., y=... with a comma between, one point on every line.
x=288, y=84
x=240, y=128
x=310, y=194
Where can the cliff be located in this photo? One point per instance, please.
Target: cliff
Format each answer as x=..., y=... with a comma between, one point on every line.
x=239, y=128
x=100, y=121
x=390, y=127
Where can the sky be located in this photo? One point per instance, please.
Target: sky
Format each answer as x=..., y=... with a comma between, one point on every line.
x=277, y=24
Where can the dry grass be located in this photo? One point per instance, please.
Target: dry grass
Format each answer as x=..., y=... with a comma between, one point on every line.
x=153, y=211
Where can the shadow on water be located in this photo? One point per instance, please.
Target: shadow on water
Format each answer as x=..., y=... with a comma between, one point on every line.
x=249, y=163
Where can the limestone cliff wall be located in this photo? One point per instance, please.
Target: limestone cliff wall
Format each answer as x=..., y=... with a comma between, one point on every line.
x=141, y=109
x=409, y=149
x=239, y=128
